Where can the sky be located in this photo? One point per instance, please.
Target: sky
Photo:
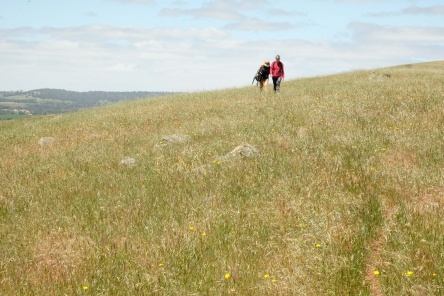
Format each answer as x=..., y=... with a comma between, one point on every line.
x=175, y=45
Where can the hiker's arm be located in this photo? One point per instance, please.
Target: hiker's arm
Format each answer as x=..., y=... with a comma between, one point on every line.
x=283, y=73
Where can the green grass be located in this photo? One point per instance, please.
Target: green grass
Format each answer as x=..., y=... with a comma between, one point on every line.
x=12, y=116
x=349, y=181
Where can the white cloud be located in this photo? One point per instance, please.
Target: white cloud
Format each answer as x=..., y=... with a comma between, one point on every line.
x=233, y=11
x=203, y=13
x=430, y=10
x=409, y=34
x=104, y=33
x=145, y=2
x=360, y=1
x=282, y=12
x=255, y=24
x=88, y=58
x=100, y=57
x=412, y=10
x=122, y=67
x=179, y=2
x=218, y=9
x=238, y=4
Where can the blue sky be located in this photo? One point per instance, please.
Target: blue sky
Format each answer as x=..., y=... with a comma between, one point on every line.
x=174, y=45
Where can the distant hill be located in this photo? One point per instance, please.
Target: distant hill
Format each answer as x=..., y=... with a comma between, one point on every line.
x=16, y=104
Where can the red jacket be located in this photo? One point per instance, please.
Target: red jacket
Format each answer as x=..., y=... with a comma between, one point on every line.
x=277, y=70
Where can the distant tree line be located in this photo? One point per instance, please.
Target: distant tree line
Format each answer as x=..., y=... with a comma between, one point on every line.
x=56, y=101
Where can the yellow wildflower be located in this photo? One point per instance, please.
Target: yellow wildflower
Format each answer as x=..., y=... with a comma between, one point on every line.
x=318, y=245
x=85, y=288
x=227, y=276
x=376, y=272
x=266, y=276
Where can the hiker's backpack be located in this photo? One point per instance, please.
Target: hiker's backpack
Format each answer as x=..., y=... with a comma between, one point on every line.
x=259, y=75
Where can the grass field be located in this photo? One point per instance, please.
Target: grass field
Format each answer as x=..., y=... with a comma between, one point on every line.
x=345, y=198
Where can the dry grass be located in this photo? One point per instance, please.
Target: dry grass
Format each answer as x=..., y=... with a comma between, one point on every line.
x=348, y=181
x=58, y=256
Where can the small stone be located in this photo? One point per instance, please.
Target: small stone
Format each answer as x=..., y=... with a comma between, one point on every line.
x=246, y=151
x=173, y=139
x=46, y=141
x=128, y=161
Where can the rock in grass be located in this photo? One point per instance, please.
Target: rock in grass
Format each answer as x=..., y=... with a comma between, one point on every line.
x=173, y=139
x=46, y=141
x=242, y=151
x=129, y=161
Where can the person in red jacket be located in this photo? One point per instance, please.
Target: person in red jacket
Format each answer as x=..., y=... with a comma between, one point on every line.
x=277, y=73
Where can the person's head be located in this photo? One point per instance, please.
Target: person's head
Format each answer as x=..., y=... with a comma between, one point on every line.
x=278, y=58
x=266, y=63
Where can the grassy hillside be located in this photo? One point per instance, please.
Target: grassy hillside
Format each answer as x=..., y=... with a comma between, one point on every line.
x=345, y=198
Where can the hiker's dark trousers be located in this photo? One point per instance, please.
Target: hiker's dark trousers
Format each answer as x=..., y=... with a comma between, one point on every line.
x=277, y=84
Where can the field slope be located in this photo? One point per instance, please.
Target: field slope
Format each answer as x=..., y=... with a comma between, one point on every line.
x=346, y=195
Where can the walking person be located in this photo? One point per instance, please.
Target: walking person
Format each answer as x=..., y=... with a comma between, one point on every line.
x=277, y=73
x=262, y=75
x=265, y=73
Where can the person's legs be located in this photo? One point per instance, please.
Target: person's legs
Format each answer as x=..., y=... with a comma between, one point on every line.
x=274, y=83
x=278, y=84
x=261, y=85
x=265, y=84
